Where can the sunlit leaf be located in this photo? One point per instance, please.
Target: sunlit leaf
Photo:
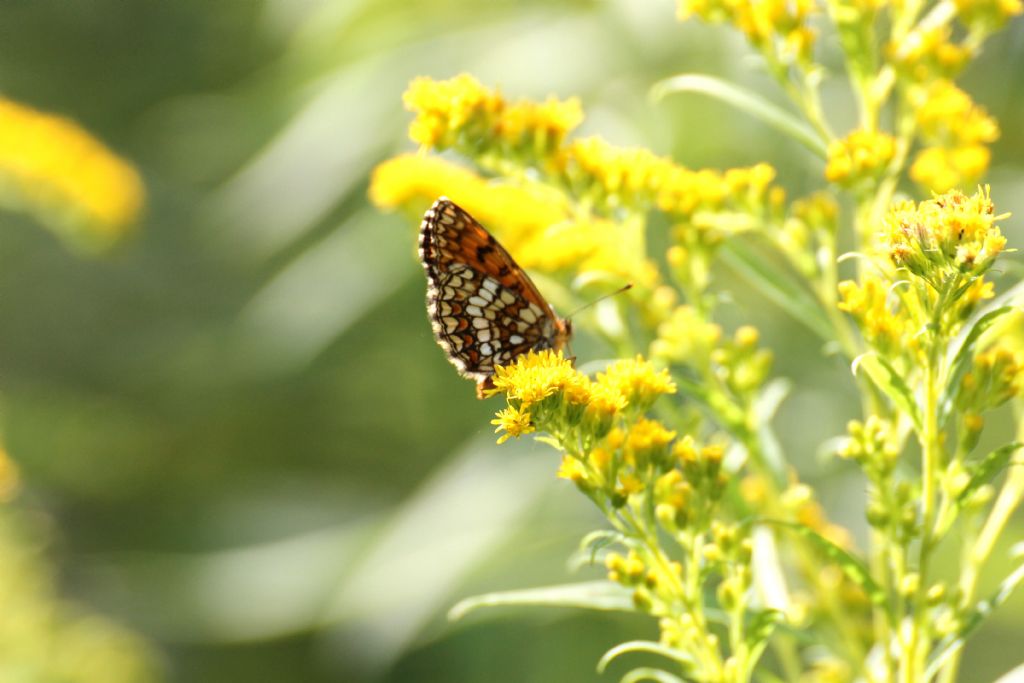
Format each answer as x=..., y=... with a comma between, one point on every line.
x=890, y=382
x=597, y=595
x=853, y=567
x=777, y=286
x=644, y=646
x=591, y=545
x=746, y=101
x=650, y=674
x=989, y=468
x=964, y=358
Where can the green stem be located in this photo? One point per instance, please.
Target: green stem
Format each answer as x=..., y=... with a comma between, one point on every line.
x=1009, y=499
x=931, y=462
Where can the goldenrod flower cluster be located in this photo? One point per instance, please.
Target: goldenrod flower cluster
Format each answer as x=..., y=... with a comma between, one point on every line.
x=944, y=245
x=861, y=155
x=53, y=169
x=877, y=314
x=996, y=376
x=928, y=54
x=988, y=14
x=946, y=237
x=544, y=391
x=808, y=233
x=560, y=205
x=957, y=132
x=462, y=113
x=778, y=28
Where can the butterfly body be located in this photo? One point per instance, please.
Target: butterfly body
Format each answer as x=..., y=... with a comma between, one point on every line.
x=484, y=309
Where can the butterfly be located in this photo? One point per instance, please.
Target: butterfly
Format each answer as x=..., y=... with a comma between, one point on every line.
x=484, y=309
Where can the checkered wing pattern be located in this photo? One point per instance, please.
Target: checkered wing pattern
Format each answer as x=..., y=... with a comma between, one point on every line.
x=483, y=307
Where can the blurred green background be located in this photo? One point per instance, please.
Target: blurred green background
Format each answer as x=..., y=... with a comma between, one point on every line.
x=245, y=441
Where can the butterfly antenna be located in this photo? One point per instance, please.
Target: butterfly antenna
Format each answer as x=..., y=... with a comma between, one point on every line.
x=625, y=288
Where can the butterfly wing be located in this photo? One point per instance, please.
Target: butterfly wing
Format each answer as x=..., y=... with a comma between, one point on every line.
x=483, y=307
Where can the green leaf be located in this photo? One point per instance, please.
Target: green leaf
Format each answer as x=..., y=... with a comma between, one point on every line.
x=746, y=101
x=778, y=286
x=596, y=595
x=964, y=358
x=644, y=646
x=952, y=643
x=890, y=382
x=760, y=629
x=988, y=468
x=591, y=544
x=854, y=569
x=650, y=674
x=767, y=402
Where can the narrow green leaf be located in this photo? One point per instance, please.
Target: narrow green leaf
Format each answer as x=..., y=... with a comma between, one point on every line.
x=890, y=382
x=765, y=405
x=650, y=674
x=760, y=629
x=853, y=567
x=778, y=286
x=989, y=468
x=964, y=358
x=596, y=595
x=746, y=101
x=592, y=543
x=644, y=646
x=762, y=624
x=949, y=645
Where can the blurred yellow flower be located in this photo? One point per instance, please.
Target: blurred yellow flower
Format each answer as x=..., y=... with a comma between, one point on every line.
x=957, y=131
x=867, y=302
x=638, y=381
x=686, y=337
x=861, y=154
x=647, y=440
x=990, y=13
x=926, y=54
x=945, y=113
x=53, y=169
x=9, y=478
x=940, y=169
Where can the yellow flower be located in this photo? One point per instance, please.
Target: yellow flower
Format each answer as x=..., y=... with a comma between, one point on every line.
x=623, y=174
x=513, y=421
x=952, y=233
x=926, y=54
x=867, y=302
x=769, y=24
x=989, y=13
x=534, y=376
x=520, y=217
x=647, y=441
x=463, y=110
x=589, y=245
x=686, y=337
x=545, y=124
x=445, y=108
x=53, y=169
x=637, y=381
x=861, y=154
x=572, y=469
x=940, y=169
x=945, y=113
